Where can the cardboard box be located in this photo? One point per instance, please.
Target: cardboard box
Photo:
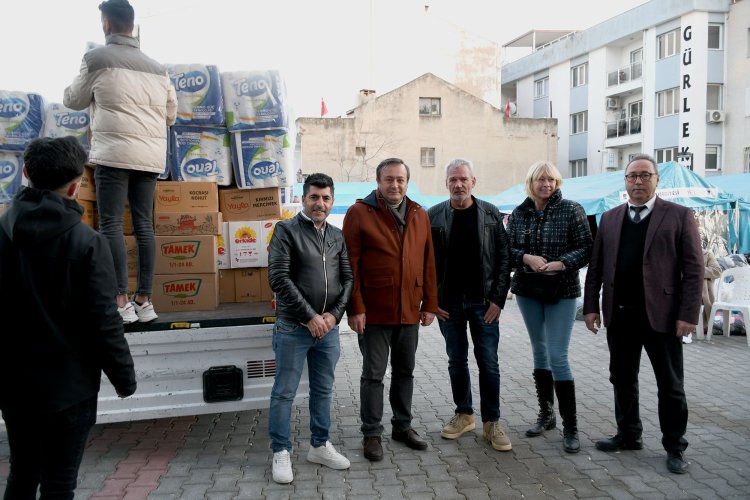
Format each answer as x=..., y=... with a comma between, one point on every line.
x=266, y=233
x=250, y=204
x=186, y=292
x=127, y=220
x=246, y=248
x=174, y=196
x=247, y=285
x=226, y=286
x=187, y=223
x=132, y=285
x=265, y=289
x=290, y=210
x=89, y=213
x=222, y=248
x=131, y=249
x=185, y=254
x=87, y=191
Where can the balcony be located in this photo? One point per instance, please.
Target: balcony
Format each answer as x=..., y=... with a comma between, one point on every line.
x=623, y=132
x=625, y=80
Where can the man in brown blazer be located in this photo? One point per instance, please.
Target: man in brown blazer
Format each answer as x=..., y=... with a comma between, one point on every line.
x=648, y=262
x=390, y=249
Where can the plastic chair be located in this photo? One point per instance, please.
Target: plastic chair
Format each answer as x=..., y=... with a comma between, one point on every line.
x=736, y=299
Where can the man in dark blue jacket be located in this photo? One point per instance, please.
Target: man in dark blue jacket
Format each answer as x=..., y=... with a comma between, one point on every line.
x=61, y=327
x=310, y=272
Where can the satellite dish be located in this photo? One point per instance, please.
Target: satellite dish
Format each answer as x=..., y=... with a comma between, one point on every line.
x=513, y=109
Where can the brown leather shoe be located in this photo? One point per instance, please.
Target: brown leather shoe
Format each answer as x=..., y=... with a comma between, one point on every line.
x=410, y=438
x=373, y=448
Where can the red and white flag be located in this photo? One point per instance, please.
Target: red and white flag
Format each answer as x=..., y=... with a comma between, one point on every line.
x=507, y=109
x=323, y=109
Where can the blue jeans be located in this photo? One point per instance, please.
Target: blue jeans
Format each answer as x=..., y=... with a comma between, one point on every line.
x=486, y=338
x=46, y=450
x=114, y=186
x=549, y=327
x=293, y=344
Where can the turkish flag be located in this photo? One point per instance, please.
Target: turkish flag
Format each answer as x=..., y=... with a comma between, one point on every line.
x=507, y=109
x=323, y=109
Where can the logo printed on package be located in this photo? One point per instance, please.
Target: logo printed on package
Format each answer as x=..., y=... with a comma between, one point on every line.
x=183, y=288
x=8, y=173
x=73, y=120
x=200, y=167
x=245, y=235
x=169, y=196
x=180, y=250
x=192, y=81
x=12, y=107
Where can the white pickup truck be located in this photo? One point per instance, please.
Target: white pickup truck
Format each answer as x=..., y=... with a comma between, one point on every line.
x=198, y=362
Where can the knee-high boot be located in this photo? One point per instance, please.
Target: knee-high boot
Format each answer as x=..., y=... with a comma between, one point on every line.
x=566, y=399
x=546, y=396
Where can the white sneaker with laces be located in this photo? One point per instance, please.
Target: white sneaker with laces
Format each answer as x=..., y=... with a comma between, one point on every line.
x=328, y=456
x=145, y=312
x=127, y=312
x=282, y=467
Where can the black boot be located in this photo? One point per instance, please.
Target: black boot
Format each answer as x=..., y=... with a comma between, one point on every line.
x=566, y=399
x=546, y=396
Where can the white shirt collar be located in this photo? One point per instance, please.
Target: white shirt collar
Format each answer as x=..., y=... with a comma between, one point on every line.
x=303, y=214
x=649, y=205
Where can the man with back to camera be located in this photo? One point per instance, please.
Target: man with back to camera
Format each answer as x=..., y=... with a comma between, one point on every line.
x=648, y=262
x=473, y=275
x=60, y=273
x=310, y=272
x=393, y=261
x=132, y=102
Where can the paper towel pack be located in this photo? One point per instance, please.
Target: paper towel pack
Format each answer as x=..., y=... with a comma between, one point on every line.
x=60, y=121
x=254, y=100
x=262, y=159
x=11, y=175
x=199, y=95
x=201, y=154
x=21, y=119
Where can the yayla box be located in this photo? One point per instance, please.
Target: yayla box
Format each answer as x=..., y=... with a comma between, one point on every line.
x=176, y=196
x=222, y=248
x=185, y=254
x=87, y=191
x=245, y=246
x=250, y=204
x=186, y=292
x=187, y=223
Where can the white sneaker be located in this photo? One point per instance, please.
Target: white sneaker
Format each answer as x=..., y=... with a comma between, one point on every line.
x=328, y=456
x=282, y=467
x=145, y=312
x=127, y=312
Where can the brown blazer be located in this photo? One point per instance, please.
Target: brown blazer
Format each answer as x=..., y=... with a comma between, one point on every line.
x=672, y=266
x=394, y=274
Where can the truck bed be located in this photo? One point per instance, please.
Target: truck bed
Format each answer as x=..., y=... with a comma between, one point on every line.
x=241, y=314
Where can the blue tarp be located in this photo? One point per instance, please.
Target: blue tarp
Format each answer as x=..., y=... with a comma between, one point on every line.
x=739, y=186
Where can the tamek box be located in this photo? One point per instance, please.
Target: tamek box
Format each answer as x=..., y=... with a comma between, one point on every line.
x=186, y=292
x=185, y=254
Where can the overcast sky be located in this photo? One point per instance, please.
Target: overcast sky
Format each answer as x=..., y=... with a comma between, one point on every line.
x=325, y=49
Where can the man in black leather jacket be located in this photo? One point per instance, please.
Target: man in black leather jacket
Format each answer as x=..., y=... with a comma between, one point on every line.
x=473, y=270
x=310, y=273
x=61, y=327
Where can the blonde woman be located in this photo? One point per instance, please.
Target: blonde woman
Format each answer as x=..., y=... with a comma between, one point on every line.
x=550, y=241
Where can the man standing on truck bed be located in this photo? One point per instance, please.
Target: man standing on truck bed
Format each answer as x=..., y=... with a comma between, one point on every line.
x=309, y=271
x=132, y=102
x=59, y=272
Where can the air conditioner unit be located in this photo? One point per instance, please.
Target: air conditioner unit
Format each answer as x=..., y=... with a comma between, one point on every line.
x=715, y=116
x=613, y=103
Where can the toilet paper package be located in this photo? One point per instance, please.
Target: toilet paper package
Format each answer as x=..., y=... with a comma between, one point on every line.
x=11, y=175
x=60, y=121
x=199, y=95
x=262, y=159
x=201, y=154
x=254, y=100
x=21, y=119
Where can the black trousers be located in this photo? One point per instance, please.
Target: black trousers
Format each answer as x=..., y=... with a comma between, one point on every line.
x=46, y=450
x=628, y=334
x=374, y=344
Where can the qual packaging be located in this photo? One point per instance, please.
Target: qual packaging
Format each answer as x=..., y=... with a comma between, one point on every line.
x=187, y=223
x=200, y=154
x=186, y=292
x=245, y=245
x=250, y=204
x=185, y=254
x=262, y=159
x=172, y=196
x=222, y=248
x=11, y=175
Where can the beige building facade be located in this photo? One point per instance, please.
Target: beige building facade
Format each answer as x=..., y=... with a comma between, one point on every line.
x=426, y=122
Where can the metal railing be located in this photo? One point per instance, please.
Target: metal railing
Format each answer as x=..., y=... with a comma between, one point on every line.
x=623, y=127
x=626, y=74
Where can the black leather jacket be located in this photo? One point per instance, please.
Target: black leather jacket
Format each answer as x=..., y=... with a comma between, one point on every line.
x=493, y=241
x=309, y=272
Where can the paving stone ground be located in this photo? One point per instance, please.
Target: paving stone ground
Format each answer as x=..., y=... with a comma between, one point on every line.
x=227, y=456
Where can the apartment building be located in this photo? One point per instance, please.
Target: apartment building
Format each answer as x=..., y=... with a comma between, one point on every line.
x=669, y=78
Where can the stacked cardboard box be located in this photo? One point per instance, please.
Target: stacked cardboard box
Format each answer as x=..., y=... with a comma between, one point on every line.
x=187, y=225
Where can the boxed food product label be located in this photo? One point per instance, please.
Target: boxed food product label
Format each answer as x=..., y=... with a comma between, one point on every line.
x=186, y=292
x=185, y=254
x=175, y=196
x=187, y=223
x=250, y=204
x=222, y=248
x=246, y=248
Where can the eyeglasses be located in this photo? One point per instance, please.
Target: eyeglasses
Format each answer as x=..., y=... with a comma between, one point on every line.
x=643, y=176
